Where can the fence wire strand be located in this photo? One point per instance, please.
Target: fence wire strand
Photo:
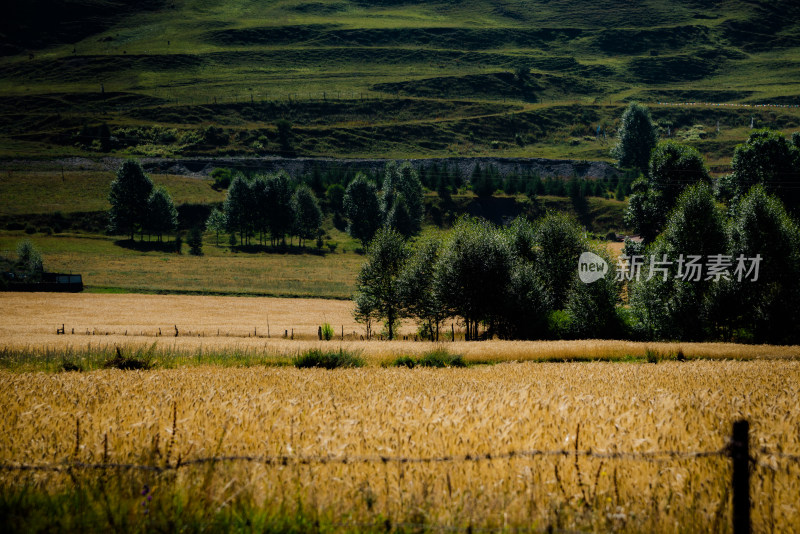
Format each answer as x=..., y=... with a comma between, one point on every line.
x=284, y=460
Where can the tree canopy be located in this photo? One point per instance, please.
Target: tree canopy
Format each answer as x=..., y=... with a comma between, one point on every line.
x=129, y=195
x=307, y=215
x=378, y=294
x=361, y=209
x=767, y=158
x=401, y=199
x=672, y=168
x=637, y=137
x=162, y=216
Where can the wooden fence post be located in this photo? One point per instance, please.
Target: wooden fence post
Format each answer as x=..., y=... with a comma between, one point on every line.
x=739, y=451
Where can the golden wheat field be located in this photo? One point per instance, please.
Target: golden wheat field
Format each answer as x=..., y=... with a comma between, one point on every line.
x=257, y=326
x=308, y=416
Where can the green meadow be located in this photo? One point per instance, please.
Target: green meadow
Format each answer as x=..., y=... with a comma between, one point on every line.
x=390, y=78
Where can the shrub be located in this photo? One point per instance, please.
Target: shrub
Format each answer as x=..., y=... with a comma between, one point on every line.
x=30, y=229
x=222, y=178
x=327, y=331
x=69, y=365
x=405, y=361
x=130, y=362
x=652, y=356
x=559, y=323
x=436, y=358
x=195, y=242
x=29, y=258
x=441, y=358
x=328, y=359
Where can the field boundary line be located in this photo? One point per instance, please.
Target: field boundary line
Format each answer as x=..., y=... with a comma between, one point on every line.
x=282, y=460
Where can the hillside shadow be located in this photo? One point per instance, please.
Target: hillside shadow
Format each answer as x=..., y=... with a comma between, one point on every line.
x=146, y=246
x=280, y=249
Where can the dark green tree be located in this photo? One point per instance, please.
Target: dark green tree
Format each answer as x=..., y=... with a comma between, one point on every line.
x=592, y=308
x=162, y=216
x=416, y=284
x=472, y=273
x=559, y=241
x=335, y=197
x=222, y=178
x=279, y=209
x=216, y=223
x=526, y=304
x=636, y=138
x=577, y=195
x=239, y=207
x=766, y=308
x=676, y=303
x=402, y=181
x=377, y=288
x=195, y=241
x=129, y=195
x=307, y=215
x=361, y=209
x=767, y=158
x=29, y=260
x=399, y=219
x=261, y=189
x=673, y=167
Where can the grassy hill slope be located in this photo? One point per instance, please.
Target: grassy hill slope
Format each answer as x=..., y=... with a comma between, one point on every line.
x=386, y=78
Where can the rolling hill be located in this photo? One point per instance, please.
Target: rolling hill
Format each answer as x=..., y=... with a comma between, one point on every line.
x=389, y=78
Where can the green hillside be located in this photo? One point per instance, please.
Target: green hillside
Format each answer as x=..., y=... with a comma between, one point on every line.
x=388, y=78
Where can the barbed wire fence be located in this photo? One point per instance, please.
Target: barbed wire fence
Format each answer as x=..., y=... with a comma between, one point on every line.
x=737, y=450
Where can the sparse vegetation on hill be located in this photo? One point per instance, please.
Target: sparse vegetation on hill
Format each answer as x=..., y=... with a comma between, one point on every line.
x=361, y=78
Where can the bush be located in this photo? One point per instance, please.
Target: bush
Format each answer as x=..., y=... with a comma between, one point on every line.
x=195, y=242
x=441, y=358
x=30, y=229
x=559, y=323
x=327, y=359
x=29, y=258
x=326, y=331
x=222, y=178
x=69, y=365
x=405, y=361
x=438, y=358
x=130, y=363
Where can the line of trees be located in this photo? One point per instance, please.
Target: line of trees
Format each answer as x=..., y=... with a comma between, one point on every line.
x=397, y=205
x=678, y=209
x=268, y=207
x=521, y=281
x=515, y=282
x=667, y=168
x=485, y=180
x=764, y=310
